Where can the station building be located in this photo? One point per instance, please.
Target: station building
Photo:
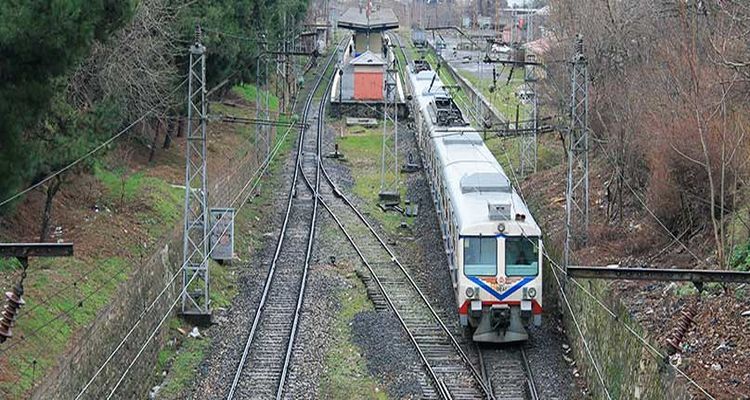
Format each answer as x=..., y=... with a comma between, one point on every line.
x=359, y=87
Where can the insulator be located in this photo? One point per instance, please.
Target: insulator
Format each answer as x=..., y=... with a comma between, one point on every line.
x=10, y=312
x=683, y=325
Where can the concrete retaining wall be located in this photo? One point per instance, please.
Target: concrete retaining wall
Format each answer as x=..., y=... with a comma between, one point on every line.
x=629, y=369
x=91, y=347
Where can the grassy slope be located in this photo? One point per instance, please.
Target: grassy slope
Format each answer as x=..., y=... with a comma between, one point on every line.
x=181, y=361
x=60, y=300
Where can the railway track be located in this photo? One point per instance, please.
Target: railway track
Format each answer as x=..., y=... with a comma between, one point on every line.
x=262, y=370
x=451, y=374
x=507, y=372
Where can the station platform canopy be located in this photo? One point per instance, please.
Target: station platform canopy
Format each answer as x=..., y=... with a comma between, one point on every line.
x=357, y=19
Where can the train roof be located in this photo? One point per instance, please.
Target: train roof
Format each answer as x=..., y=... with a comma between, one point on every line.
x=480, y=192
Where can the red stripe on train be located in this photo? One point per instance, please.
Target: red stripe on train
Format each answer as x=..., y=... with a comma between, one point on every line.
x=535, y=307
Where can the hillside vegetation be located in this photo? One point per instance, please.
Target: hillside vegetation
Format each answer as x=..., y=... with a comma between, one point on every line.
x=73, y=73
x=668, y=111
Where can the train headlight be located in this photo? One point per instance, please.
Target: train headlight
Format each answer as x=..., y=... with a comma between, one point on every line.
x=532, y=292
x=470, y=292
x=501, y=227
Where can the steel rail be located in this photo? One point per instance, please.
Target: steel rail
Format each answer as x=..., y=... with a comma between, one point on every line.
x=529, y=387
x=439, y=385
x=531, y=384
x=308, y=254
x=476, y=375
x=483, y=368
x=281, y=237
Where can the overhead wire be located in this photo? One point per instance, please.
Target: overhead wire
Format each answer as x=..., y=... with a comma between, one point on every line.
x=86, y=155
x=244, y=202
x=262, y=170
x=249, y=193
x=562, y=291
x=648, y=209
x=555, y=265
x=580, y=331
x=643, y=341
x=95, y=266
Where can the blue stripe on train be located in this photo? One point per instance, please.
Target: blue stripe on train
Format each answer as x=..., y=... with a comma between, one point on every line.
x=505, y=294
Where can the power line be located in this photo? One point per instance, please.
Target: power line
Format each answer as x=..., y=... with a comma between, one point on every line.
x=262, y=170
x=644, y=342
x=580, y=333
x=562, y=291
x=85, y=156
x=266, y=164
x=95, y=266
x=64, y=312
x=648, y=209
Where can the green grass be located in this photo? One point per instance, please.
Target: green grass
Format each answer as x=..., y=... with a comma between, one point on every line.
x=165, y=206
x=9, y=264
x=79, y=305
x=363, y=148
x=740, y=259
x=345, y=373
x=184, y=363
x=223, y=286
x=121, y=187
x=250, y=92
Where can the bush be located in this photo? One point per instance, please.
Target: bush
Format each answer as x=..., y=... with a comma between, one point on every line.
x=740, y=259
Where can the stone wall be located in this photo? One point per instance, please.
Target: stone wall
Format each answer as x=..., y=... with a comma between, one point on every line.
x=90, y=347
x=629, y=369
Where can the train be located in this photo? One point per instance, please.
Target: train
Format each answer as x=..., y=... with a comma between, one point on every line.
x=493, y=243
x=418, y=37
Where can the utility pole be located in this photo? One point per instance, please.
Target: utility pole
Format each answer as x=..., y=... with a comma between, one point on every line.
x=262, y=112
x=577, y=193
x=195, y=283
x=389, y=172
x=528, y=143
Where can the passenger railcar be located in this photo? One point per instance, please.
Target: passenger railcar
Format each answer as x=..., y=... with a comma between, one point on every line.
x=493, y=244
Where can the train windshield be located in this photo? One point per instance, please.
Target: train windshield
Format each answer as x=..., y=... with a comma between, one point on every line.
x=480, y=256
x=521, y=256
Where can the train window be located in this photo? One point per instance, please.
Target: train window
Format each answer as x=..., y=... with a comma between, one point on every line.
x=521, y=256
x=480, y=256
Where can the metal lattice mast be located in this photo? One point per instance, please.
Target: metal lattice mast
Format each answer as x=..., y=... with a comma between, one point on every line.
x=195, y=296
x=577, y=193
x=389, y=172
x=262, y=113
x=528, y=143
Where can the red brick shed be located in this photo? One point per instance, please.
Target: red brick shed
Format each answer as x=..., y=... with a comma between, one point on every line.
x=368, y=76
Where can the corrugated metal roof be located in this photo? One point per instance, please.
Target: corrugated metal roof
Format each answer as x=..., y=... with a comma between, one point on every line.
x=367, y=58
x=356, y=18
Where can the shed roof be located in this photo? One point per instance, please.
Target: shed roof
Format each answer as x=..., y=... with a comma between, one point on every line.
x=367, y=58
x=356, y=19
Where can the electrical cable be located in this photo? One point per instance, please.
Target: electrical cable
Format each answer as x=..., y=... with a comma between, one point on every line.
x=85, y=156
x=644, y=342
x=265, y=166
x=80, y=277
x=64, y=312
x=555, y=265
x=268, y=159
x=651, y=212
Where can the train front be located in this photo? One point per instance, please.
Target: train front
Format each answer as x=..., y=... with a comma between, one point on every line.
x=499, y=289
